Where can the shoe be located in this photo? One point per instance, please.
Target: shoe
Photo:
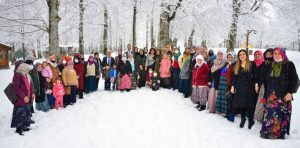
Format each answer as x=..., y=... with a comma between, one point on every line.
x=32, y=122
x=242, y=123
x=19, y=131
x=198, y=106
x=25, y=129
x=250, y=124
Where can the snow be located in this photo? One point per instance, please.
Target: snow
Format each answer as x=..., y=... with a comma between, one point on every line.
x=140, y=118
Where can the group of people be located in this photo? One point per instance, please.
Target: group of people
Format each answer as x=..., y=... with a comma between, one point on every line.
x=228, y=84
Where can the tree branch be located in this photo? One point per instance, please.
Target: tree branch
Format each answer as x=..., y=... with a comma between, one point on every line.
x=174, y=12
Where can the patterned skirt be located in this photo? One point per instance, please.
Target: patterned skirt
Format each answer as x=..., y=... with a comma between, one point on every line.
x=200, y=94
x=259, y=109
x=221, y=103
x=277, y=118
x=125, y=82
x=21, y=117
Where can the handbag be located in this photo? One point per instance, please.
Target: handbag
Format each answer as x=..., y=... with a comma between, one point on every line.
x=10, y=93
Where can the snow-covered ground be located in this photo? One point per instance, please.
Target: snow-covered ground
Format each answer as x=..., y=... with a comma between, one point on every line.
x=138, y=119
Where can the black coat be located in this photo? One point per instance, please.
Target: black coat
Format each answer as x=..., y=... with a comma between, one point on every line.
x=142, y=78
x=244, y=84
x=40, y=97
x=215, y=77
x=124, y=68
x=283, y=84
x=104, y=62
x=98, y=65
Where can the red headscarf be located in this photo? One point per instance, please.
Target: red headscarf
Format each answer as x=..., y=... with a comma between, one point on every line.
x=261, y=60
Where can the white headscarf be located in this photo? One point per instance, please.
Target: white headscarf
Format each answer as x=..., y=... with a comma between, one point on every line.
x=199, y=57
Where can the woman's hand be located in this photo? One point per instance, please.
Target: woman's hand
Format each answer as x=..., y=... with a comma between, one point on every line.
x=288, y=97
x=232, y=89
x=33, y=97
x=256, y=88
x=26, y=99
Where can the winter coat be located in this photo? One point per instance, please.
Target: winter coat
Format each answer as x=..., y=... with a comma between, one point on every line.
x=165, y=66
x=47, y=72
x=40, y=96
x=90, y=70
x=118, y=59
x=98, y=65
x=200, y=75
x=244, y=84
x=20, y=89
x=55, y=71
x=105, y=62
x=125, y=68
x=61, y=67
x=113, y=73
x=283, y=84
x=69, y=77
x=150, y=61
x=58, y=90
x=142, y=74
x=80, y=70
x=185, y=72
x=140, y=60
x=229, y=75
x=106, y=74
x=35, y=80
x=214, y=77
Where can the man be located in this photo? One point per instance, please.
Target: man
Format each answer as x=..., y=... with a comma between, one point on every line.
x=129, y=51
x=54, y=67
x=98, y=65
x=108, y=60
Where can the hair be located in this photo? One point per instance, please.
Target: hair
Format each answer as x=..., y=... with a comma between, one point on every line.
x=152, y=49
x=96, y=53
x=239, y=62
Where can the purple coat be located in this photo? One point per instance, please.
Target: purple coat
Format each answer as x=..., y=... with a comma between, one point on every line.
x=19, y=87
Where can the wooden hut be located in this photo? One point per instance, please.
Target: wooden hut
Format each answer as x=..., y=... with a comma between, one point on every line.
x=4, y=61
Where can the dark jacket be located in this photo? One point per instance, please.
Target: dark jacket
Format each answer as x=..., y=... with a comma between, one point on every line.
x=215, y=77
x=104, y=62
x=140, y=60
x=40, y=97
x=244, y=83
x=142, y=74
x=283, y=84
x=125, y=68
x=35, y=80
x=98, y=65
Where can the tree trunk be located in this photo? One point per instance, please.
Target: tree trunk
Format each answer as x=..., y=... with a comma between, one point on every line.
x=147, y=32
x=233, y=29
x=81, y=39
x=105, y=37
x=54, y=19
x=134, y=25
x=190, y=41
x=152, y=28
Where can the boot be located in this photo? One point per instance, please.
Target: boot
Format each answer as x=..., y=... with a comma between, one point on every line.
x=198, y=106
x=19, y=131
x=250, y=124
x=242, y=122
x=202, y=107
x=25, y=129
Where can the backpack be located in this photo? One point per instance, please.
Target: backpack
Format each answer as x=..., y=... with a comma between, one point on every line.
x=10, y=93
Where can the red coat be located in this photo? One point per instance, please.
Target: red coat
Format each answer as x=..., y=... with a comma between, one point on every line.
x=200, y=75
x=79, y=68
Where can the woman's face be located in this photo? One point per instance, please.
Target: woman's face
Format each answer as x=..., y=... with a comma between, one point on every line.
x=152, y=52
x=141, y=52
x=229, y=58
x=39, y=67
x=257, y=56
x=277, y=55
x=204, y=54
x=44, y=65
x=242, y=56
x=269, y=55
x=164, y=55
x=220, y=56
x=199, y=61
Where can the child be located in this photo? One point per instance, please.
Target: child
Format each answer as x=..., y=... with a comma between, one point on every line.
x=58, y=93
x=148, y=77
x=165, y=73
x=106, y=77
x=113, y=76
x=155, y=82
x=47, y=73
x=142, y=74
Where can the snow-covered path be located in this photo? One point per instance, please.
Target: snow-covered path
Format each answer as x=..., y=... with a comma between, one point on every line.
x=138, y=119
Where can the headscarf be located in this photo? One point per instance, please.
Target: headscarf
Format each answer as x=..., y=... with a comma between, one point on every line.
x=277, y=65
x=218, y=64
x=91, y=60
x=23, y=69
x=265, y=55
x=199, y=57
x=261, y=60
x=211, y=57
x=233, y=54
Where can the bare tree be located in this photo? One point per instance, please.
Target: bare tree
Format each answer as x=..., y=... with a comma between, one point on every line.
x=81, y=23
x=54, y=19
x=166, y=16
x=134, y=24
x=105, y=33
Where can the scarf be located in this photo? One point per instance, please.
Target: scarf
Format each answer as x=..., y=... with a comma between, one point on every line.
x=261, y=60
x=218, y=64
x=276, y=69
x=53, y=64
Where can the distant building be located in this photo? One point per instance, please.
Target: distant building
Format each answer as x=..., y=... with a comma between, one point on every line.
x=4, y=61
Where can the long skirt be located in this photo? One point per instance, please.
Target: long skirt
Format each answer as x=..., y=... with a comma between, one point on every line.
x=175, y=78
x=200, y=95
x=184, y=86
x=125, y=82
x=90, y=84
x=259, y=109
x=42, y=106
x=51, y=100
x=212, y=95
x=221, y=103
x=277, y=117
x=21, y=117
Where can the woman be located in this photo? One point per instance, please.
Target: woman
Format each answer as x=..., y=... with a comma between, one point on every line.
x=157, y=62
x=184, y=82
x=125, y=73
x=175, y=69
x=211, y=58
x=200, y=84
x=221, y=103
x=140, y=59
x=118, y=58
x=79, y=68
x=281, y=82
x=70, y=80
x=41, y=102
x=21, y=118
x=259, y=61
x=245, y=88
x=150, y=61
x=63, y=63
x=214, y=77
x=90, y=75
x=134, y=69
